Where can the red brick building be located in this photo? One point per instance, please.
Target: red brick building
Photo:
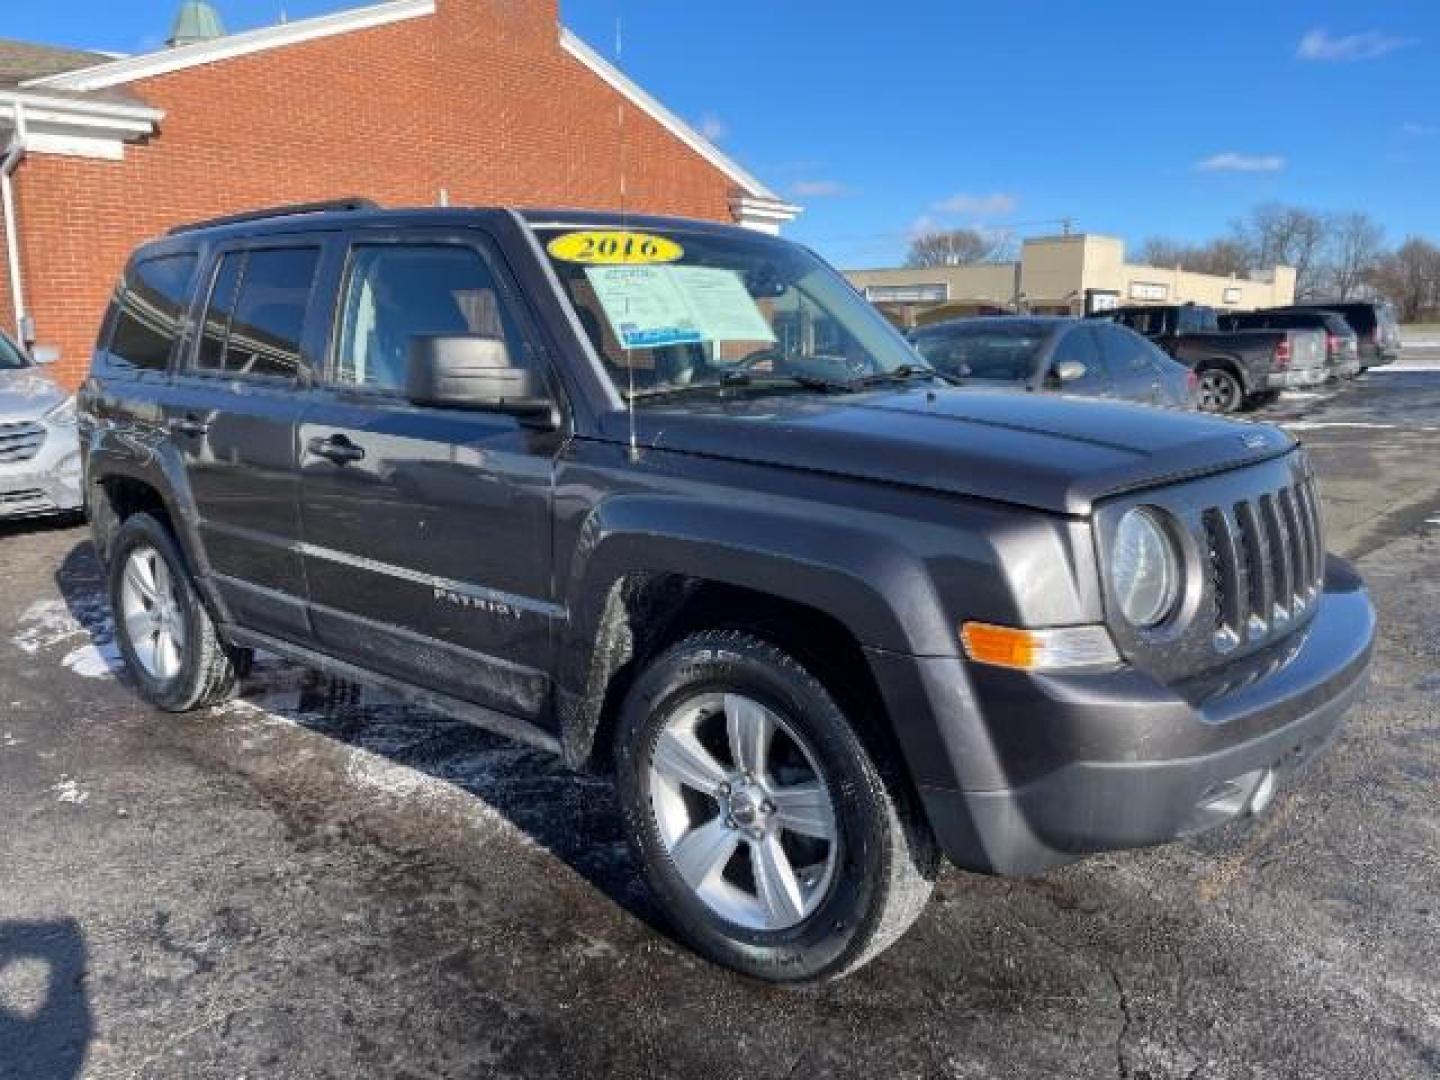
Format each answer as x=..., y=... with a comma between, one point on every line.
x=409, y=102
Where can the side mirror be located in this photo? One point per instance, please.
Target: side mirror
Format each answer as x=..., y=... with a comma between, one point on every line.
x=1068, y=371
x=473, y=371
x=45, y=355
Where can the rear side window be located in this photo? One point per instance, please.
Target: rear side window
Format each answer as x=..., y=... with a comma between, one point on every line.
x=394, y=293
x=256, y=314
x=149, y=311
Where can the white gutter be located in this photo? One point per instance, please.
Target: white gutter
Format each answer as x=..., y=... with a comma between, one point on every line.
x=13, y=155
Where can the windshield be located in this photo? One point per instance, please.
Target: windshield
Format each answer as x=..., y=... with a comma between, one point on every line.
x=983, y=351
x=11, y=357
x=668, y=310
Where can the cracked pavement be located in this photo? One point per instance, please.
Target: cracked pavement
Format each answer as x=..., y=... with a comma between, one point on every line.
x=315, y=881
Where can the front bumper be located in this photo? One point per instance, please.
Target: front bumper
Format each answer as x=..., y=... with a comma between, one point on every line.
x=48, y=483
x=1027, y=772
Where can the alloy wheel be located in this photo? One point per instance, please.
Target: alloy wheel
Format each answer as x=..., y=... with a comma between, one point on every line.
x=743, y=811
x=1219, y=392
x=154, y=621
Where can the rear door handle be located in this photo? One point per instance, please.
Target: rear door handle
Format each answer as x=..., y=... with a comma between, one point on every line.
x=336, y=448
x=189, y=425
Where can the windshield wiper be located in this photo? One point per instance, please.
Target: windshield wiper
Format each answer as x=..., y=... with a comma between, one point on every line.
x=902, y=374
x=744, y=380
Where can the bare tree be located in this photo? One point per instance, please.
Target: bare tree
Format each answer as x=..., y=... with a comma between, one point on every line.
x=958, y=247
x=1275, y=234
x=1222, y=256
x=1410, y=278
x=1357, y=245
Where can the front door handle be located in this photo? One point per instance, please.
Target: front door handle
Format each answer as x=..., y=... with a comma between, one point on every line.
x=189, y=425
x=336, y=448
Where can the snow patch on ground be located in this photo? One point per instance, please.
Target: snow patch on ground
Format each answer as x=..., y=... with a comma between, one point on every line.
x=95, y=661
x=68, y=790
x=49, y=625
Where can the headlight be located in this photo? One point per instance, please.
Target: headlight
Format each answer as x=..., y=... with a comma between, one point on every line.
x=1145, y=567
x=63, y=415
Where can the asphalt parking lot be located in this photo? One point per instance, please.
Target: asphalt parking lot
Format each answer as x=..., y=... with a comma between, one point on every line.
x=316, y=882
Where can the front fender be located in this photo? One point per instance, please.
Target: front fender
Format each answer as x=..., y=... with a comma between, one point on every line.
x=862, y=578
x=145, y=456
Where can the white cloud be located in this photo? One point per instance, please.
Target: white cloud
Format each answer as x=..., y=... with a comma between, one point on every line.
x=977, y=205
x=1230, y=161
x=818, y=189
x=712, y=127
x=1320, y=44
x=1411, y=127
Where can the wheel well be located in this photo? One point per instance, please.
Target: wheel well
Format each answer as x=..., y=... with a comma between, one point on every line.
x=660, y=610
x=121, y=497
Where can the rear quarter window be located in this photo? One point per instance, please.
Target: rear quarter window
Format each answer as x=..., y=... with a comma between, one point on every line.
x=149, y=310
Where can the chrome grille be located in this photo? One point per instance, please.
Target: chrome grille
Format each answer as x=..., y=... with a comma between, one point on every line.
x=20, y=442
x=1267, y=562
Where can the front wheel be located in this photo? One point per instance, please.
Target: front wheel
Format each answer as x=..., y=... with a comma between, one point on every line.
x=764, y=827
x=161, y=625
x=1220, y=391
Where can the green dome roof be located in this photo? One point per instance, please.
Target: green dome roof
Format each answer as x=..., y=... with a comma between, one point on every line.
x=196, y=21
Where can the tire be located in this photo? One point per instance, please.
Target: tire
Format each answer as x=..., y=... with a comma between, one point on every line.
x=1219, y=391
x=848, y=897
x=163, y=629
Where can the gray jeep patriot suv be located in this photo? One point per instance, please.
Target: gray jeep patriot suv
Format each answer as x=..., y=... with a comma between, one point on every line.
x=670, y=499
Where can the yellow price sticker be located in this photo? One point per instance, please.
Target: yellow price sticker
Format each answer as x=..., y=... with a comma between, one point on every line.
x=615, y=248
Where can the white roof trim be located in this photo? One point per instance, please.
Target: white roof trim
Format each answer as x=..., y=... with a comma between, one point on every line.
x=607, y=71
x=165, y=61
x=80, y=107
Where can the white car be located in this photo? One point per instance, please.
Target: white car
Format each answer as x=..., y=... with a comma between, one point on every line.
x=39, y=450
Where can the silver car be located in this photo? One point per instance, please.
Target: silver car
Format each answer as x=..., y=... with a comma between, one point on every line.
x=1082, y=357
x=39, y=450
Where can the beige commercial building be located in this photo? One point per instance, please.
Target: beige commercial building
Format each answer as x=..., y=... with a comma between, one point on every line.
x=1061, y=275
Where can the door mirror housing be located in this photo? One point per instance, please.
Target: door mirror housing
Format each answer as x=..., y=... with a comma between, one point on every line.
x=473, y=371
x=45, y=355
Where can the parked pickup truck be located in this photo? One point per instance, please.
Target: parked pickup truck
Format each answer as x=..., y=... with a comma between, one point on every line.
x=1236, y=370
x=670, y=499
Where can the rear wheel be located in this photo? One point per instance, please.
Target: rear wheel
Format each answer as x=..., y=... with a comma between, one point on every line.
x=1220, y=391
x=763, y=824
x=162, y=627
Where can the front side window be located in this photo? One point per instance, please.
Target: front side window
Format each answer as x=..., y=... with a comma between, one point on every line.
x=395, y=293
x=1079, y=346
x=670, y=309
x=999, y=351
x=1128, y=352
x=256, y=315
x=150, y=308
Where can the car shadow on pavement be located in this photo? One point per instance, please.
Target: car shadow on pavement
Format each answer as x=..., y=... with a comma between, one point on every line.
x=401, y=746
x=45, y=1019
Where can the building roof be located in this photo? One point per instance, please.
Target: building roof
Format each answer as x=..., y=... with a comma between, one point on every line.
x=21, y=60
x=102, y=73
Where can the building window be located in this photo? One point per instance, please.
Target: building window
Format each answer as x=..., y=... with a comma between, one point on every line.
x=907, y=294
x=150, y=307
x=257, y=312
x=1232, y=294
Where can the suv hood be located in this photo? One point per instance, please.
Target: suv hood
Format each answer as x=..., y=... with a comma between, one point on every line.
x=1038, y=450
x=26, y=395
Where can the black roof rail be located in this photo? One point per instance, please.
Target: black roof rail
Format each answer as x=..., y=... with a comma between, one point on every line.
x=353, y=202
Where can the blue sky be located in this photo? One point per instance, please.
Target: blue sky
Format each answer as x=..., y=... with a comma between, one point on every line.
x=1132, y=119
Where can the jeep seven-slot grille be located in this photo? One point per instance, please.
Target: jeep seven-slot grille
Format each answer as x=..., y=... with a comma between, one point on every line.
x=1267, y=562
x=20, y=442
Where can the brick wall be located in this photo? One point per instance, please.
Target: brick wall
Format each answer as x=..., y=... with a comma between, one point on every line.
x=478, y=99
